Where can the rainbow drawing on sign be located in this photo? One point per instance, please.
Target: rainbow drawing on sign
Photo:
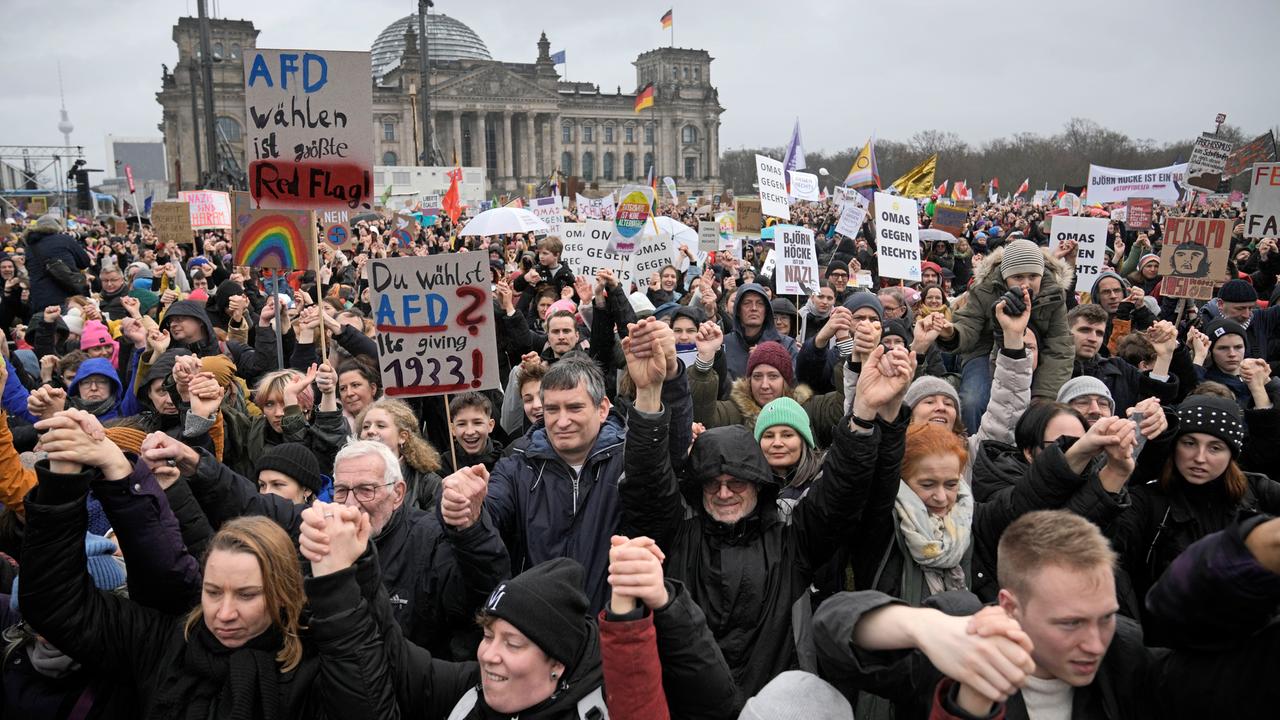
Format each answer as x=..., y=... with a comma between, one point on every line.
x=272, y=240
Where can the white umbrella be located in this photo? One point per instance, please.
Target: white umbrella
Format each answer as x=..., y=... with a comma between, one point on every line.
x=930, y=235
x=505, y=221
x=680, y=233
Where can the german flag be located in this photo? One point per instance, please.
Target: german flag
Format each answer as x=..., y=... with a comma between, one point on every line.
x=644, y=98
x=666, y=21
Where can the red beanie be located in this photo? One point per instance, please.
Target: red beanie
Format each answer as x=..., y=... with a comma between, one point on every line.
x=775, y=356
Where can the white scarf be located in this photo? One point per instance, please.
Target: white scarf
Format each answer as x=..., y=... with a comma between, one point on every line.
x=937, y=544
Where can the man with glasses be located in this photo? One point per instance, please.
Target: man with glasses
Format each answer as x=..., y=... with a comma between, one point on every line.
x=113, y=290
x=838, y=279
x=433, y=599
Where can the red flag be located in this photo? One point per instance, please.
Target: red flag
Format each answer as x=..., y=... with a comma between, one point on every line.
x=942, y=189
x=995, y=183
x=450, y=202
x=1025, y=186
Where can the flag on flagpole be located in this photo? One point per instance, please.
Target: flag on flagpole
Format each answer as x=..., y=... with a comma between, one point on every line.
x=644, y=98
x=794, y=159
x=667, y=20
x=146, y=205
x=864, y=175
x=918, y=181
x=557, y=58
x=1025, y=186
x=451, y=202
x=941, y=190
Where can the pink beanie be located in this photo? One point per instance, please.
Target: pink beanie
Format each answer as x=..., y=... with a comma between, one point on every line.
x=96, y=334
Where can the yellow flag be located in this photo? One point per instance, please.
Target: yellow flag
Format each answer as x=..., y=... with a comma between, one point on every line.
x=918, y=181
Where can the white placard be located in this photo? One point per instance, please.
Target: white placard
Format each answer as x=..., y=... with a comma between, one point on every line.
x=1263, y=218
x=548, y=210
x=1090, y=235
x=852, y=216
x=585, y=250
x=897, y=237
x=843, y=195
x=797, y=261
x=804, y=186
x=652, y=253
x=772, y=180
x=1207, y=162
x=595, y=208
x=210, y=209
x=708, y=236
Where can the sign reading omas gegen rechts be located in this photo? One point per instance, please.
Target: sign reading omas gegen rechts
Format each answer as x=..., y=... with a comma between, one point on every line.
x=307, y=119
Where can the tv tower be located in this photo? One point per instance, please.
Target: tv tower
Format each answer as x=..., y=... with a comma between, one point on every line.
x=64, y=125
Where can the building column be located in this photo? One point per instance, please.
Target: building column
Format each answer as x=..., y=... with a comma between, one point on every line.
x=481, y=154
x=531, y=152
x=599, y=151
x=552, y=124
x=713, y=147
x=577, y=149
x=507, y=169
x=672, y=148
x=456, y=140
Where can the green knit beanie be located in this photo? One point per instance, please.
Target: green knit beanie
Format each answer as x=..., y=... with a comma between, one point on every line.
x=785, y=411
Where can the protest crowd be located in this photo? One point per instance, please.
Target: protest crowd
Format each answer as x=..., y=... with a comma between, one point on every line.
x=977, y=494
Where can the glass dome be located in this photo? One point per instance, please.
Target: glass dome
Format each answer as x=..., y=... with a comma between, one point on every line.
x=449, y=39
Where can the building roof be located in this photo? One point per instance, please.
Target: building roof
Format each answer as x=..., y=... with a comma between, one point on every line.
x=447, y=39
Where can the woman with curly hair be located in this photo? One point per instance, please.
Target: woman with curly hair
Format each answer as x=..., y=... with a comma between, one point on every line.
x=393, y=423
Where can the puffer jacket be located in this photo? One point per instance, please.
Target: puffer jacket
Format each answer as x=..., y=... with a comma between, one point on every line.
x=43, y=248
x=737, y=345
x=746, y=576
x=977, y=330
x=545, y=510
x=148, y=651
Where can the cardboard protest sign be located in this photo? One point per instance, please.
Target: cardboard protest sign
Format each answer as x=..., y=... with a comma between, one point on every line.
x=275, y=239
x=804, y=186
x=434, y=321
x=772, y=181
x=6, y=230
x=1194, y=256
x=897, y=237
x=548, y=210
x=797, y=261
x=210, y=209
x=1140, y=213
x=949, y=218
x=748, y=216
x=119, y=227
x=1208, y=161
x=38, y=205
x=708, y=236
x=652, y=253
x=630, y=217
x=307, y=137
x=1115, y=185
x=1090, y=236
x=852, y=215
x=586, y=250
x=1263, y=218
x=171, y=221
x=337, y=236
x=1258, y=150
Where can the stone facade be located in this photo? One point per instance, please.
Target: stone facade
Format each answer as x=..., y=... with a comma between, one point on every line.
x=520, y=121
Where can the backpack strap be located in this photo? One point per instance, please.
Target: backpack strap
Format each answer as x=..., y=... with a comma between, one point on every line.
x=592, y=706
x=465, y=704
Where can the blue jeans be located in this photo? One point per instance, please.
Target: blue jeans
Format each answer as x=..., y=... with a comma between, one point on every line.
x=975, y=391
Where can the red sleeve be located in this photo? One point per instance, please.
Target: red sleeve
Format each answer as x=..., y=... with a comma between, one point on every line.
x=632, y=671
x=945, y=708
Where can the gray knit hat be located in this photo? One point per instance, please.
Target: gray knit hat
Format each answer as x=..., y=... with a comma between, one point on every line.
x=927, y=386
x=797, y=695
x=1085, y=385
x=1021, y=256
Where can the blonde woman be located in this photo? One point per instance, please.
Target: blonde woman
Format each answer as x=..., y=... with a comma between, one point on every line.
x=393, y=423
x=289, y=414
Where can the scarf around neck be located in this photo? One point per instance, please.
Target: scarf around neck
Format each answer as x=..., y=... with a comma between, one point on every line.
x=937, y=544
x=240, y=683
x=49, y=660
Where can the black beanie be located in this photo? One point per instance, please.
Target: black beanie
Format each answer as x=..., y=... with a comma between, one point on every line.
x=1217, y=329
x=295, y=460
x=1238, y=291
x=547, y=604
x=1212, y=415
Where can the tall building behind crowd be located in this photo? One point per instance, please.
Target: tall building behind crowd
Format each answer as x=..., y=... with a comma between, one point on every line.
x=519, y=121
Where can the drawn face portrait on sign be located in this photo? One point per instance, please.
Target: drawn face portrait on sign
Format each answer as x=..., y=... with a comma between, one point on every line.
x=1190, y=260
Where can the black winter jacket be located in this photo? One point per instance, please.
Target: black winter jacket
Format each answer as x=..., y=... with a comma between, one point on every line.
x=747, y=576
x=43, y=248
x=147, y=650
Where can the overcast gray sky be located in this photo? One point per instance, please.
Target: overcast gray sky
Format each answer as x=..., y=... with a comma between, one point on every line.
x=1156, y=69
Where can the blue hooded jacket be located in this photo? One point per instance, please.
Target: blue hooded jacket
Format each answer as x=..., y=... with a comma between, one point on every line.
x=97, y=366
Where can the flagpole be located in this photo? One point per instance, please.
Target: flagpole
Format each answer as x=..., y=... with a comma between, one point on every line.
x=673, y=25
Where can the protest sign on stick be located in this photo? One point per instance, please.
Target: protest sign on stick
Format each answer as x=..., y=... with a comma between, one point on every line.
x=1194, y=256
x=586, y=250
x=38, y=205
x=307, y=137
x=708, y=236
x=1263, y=218
x=1208, y=161
x=797, y=261
x=631, y=215
x=852, y=215
x=949, y=218
x=275, y=239
x=548, y=210
x=434, y=322
x=804, y=186
x=210, y=209
x=772, y=181
x=171, y=221
x=1090, y=236
x=652, y=253
x=897, y=237
x=748, y=217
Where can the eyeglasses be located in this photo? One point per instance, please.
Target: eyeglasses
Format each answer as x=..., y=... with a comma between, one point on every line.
x=712, y=486
x=95, y=382
x=363, y=493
